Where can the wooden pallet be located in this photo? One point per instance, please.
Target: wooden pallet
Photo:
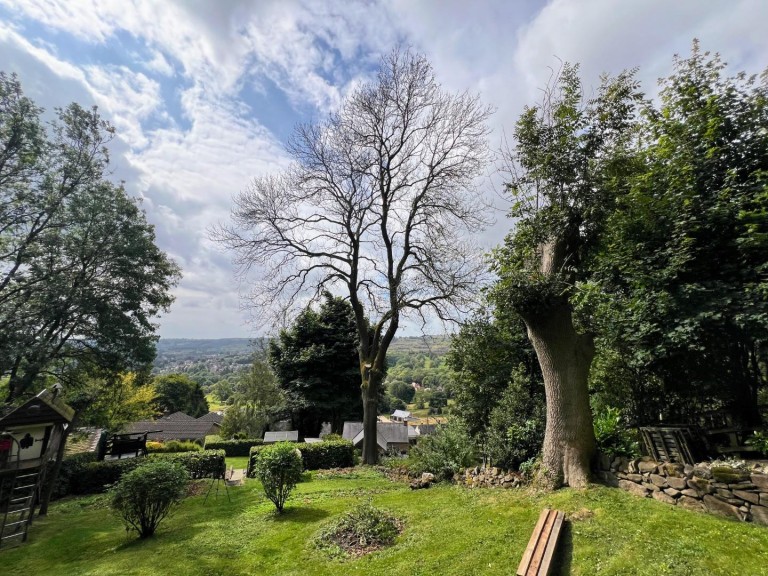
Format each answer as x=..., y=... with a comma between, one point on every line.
x=538, y=555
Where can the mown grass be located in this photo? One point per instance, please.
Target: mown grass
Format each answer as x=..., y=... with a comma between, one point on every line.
x=448, y=530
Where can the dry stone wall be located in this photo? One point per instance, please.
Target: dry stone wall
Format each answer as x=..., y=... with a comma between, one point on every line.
x=489, y=478
x=733, y=492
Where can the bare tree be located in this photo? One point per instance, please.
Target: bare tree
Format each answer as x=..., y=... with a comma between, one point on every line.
x=375, y=205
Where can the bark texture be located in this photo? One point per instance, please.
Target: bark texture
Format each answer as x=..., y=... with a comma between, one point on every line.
x=565, y=358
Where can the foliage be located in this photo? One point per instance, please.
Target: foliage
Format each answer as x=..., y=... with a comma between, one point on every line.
x=363, y=529
x=446, y=451
x=89, y=477
x=278, y=468
x=515, y=431
x=694, y=330
x=402, y=390
x=612, y=435
x=174, y=446
x=318, y=368
x=198, y=464
x=178, y=393
x=145, y=496
x=81, y=275
x=113, y=400
x=234, y=447
x=255, y=402
x=759, y=441
x=322, y=455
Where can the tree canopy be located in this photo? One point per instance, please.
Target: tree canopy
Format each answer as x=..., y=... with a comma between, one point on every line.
x=317, y=367
x=179, y=393
x=80, y=275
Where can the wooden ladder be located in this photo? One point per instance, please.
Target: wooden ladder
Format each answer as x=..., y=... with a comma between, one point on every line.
x=18, y=509
x=537, y=558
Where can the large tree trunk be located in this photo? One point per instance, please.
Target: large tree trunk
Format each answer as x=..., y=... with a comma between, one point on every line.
x=565, y=357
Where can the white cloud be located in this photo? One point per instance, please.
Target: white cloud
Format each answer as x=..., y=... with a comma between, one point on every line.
x=187, y=168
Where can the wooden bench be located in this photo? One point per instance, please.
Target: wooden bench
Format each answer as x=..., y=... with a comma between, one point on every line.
x=537, y=559
x=119, y=444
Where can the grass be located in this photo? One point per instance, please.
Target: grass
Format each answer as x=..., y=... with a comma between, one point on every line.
x=447, y=530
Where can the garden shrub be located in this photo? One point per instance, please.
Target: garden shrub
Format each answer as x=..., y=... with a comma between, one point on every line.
x=204, y=464
x=612, y=436
x=759, y=441
x=234, y=447
x=278, y=468
x=146, y=495
x=173, y=446
x=360, y=531
x=95, y=477
x=319, y=456
x=445, y=452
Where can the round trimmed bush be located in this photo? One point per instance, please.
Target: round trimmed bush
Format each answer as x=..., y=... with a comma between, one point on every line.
x=144, y=497
x=278, y=468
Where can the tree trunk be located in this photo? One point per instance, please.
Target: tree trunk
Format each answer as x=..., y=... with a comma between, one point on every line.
x=51, y=482
x=370, y=418
x=565, y=358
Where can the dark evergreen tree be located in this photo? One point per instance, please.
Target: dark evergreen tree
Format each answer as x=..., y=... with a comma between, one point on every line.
x=317, y=366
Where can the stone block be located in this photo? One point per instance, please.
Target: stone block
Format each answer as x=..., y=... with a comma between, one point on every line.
x=717, y=506
x=658, y=480
x=691, y=493
x=690, y=503
x=673, y=469
x=759, y=515
x=636, y=489
x=701, y=485
x=647, y=467
x=761, y=481
x=672, y=492
x=763, y=499
x=634, y=477
x=724, y=494
x=650, y=486
x=661, y=497
x=702, y=472
x=751, y=497
x=610, y=479
x=676, y=483
x=688, y=470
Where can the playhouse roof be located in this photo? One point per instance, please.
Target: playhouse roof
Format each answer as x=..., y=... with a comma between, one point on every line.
x=46, y=407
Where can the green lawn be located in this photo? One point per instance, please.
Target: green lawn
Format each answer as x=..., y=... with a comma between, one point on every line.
x=449, y=530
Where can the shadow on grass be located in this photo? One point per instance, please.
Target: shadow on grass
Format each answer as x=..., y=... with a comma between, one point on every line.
x=564, y=555
x=299, y=515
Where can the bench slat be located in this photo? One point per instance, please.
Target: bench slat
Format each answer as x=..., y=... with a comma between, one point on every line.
x=528, y=554
x=538, y=555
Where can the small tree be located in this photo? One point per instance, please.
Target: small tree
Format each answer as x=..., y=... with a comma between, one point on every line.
x=278, y=468
x=145, y=496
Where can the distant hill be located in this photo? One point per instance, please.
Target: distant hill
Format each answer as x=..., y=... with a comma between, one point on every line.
x=194, y=348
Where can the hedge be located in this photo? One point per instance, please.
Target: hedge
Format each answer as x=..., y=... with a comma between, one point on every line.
x=173, y=446
x=234, y=447
x=82, y=474
x=319, y=456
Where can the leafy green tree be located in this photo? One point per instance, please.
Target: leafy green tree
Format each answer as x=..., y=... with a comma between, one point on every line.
x=178, y=393
x=566, y=168
x=80, y=274
x=402, y=390
x=681, y=293
x=256, y=402
x=317, y=367
x=378, y=204
x=496, y=381
x=144, y=497
x=278, y=468
x=113, y=401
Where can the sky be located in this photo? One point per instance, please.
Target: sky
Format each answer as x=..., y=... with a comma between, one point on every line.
x=204, y=93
